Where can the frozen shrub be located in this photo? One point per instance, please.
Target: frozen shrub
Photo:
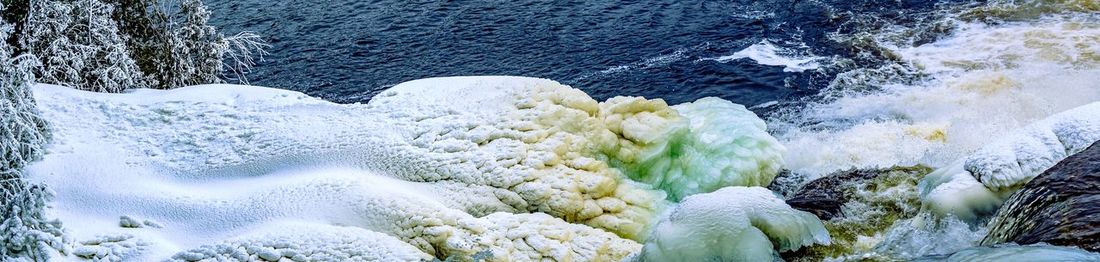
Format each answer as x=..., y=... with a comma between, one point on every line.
x=24, y=230
x=113, y=45
x=176, y=47
x=78, y=45
x=22, y=131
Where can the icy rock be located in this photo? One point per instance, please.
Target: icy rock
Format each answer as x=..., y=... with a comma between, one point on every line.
x=824, y=196
x=268, y=254
x=111, y=248
x=551, y=133
x=857, y=207
x=152, y=224
x=1058, y=207
x=976, y=185
x=952, y=191
x=732, y=224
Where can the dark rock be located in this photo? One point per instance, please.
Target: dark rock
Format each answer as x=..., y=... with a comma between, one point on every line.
x=786, y=183
x=1060, y=206
x=824, y=196
x=856, y=204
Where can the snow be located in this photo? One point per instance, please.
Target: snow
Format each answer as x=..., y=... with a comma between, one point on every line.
x=521, y=168
x=1014, y=160
x=978, y=183
x=307, y=242
x=732, y=224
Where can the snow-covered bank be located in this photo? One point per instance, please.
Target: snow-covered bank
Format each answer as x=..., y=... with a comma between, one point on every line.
x=521, y=168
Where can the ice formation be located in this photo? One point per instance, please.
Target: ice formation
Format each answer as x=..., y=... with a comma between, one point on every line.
x=722, y=144
x=519, y=168
x=977, y=184
x=732, y=224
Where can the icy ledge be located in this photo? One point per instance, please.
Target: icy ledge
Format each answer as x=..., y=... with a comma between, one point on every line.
x=976, y=185
x=519, y=168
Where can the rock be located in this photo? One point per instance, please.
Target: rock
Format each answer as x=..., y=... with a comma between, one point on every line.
x=786, y=183
x=857, y=207
x=128, y=222
x=1061, y=206
x=824, y=196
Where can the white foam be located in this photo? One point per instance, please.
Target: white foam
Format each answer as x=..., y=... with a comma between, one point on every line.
x=984, y=81
x=767, y=53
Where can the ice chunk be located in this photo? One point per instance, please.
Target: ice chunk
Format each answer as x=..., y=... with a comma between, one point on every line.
x=952, y=190
x=732, y=224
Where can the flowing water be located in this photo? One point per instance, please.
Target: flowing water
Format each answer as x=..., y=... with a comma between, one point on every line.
x=348, y=50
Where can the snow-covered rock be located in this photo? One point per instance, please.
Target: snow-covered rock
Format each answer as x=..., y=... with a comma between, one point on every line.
x=522, y=168
x=977, y=184
x=1057, y=207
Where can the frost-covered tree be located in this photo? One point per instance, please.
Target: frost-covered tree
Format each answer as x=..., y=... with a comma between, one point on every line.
x=112, y=45
x=79, y=46
x=25, y=232
x=22, y=130
x=176, y=46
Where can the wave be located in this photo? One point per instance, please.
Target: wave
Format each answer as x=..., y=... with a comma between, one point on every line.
x=767, y=53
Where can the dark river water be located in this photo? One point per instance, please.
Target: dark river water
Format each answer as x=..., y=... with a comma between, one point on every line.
x=349, y=50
